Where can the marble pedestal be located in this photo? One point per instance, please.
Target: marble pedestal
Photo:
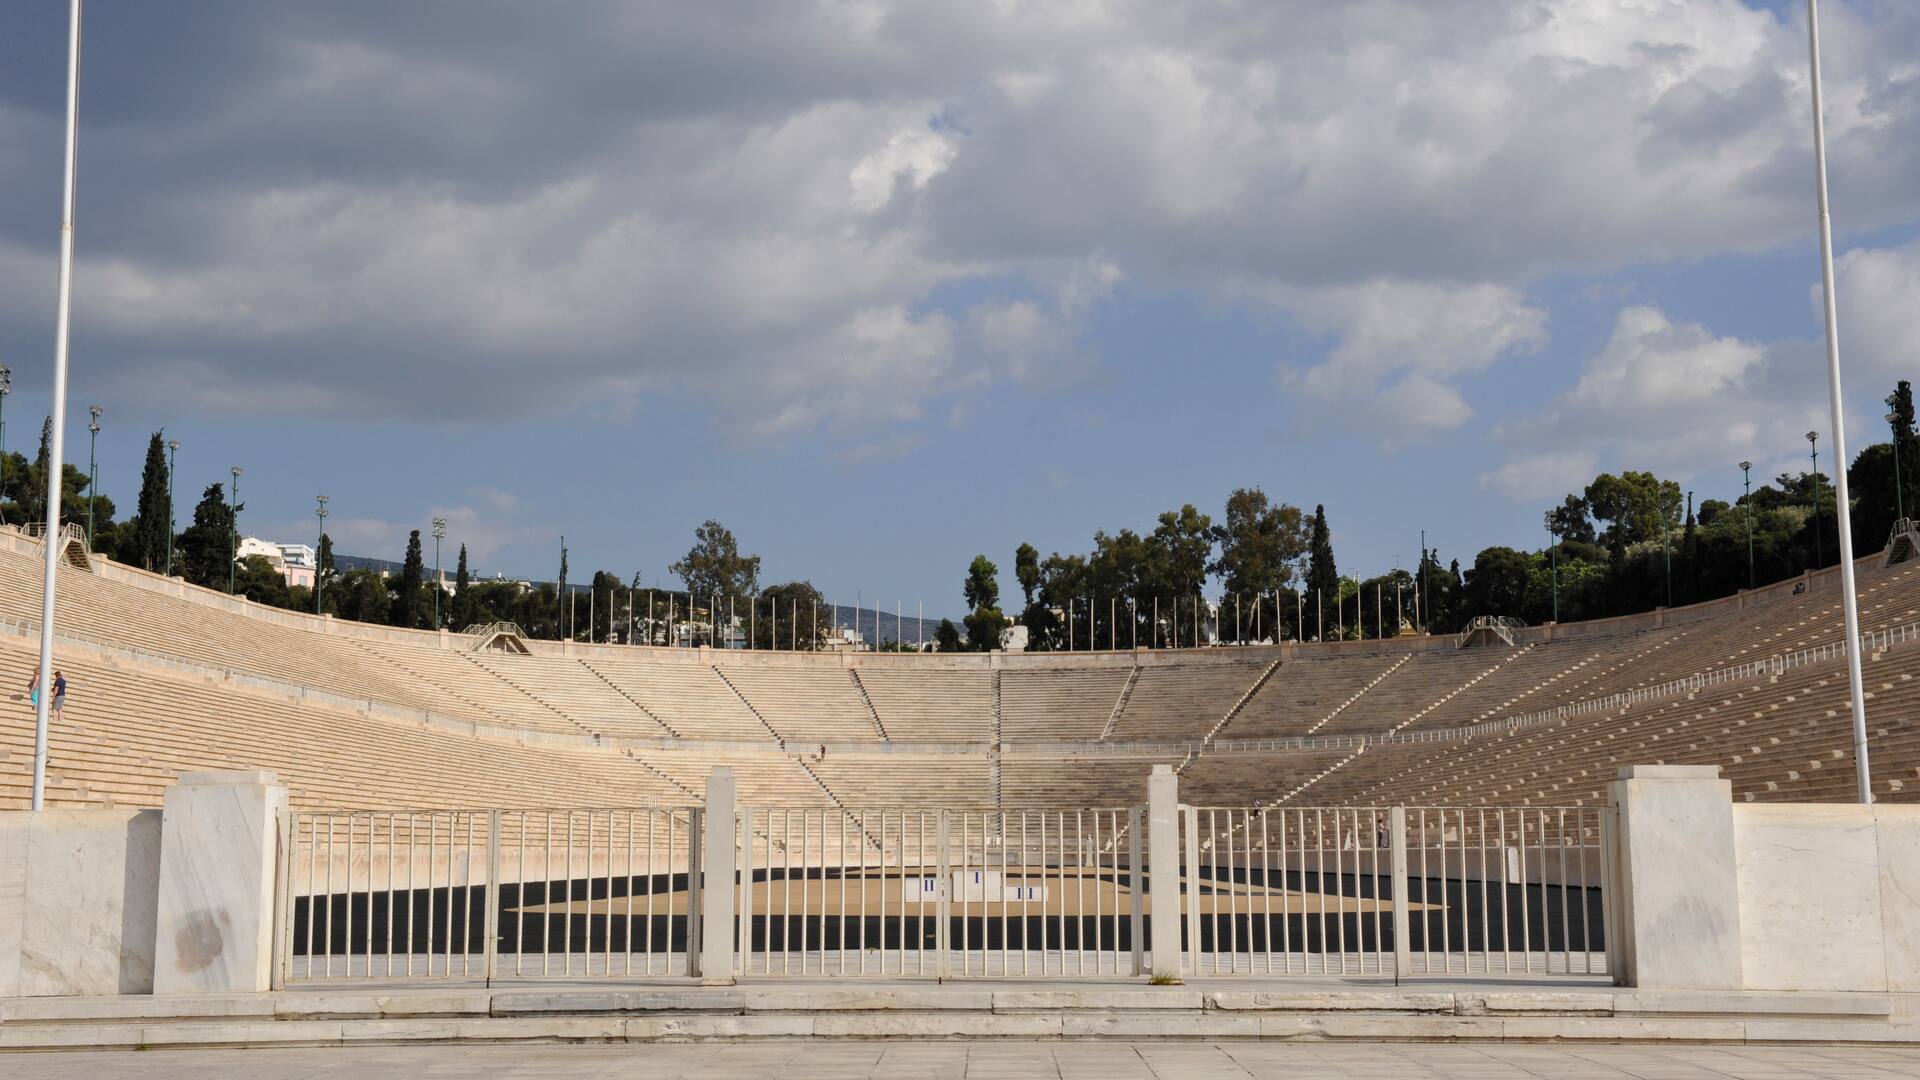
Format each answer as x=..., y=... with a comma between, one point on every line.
x=1677, y=878
x=218, y=855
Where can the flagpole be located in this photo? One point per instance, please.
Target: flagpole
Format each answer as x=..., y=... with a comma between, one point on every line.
x=56, y=471
x=1850, y=605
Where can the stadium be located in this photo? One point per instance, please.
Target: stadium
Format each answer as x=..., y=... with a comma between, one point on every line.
x=261, y=796
x=182, y=678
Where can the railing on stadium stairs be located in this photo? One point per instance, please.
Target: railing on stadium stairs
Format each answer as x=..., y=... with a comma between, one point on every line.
x=508, y=895
x=37, y=530
x=1502, y=627
x=492, y=628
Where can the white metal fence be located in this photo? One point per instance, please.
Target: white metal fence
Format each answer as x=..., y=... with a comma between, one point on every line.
x=490, y=894
x=940, y=893
x=1394, y=891
x=945, y=893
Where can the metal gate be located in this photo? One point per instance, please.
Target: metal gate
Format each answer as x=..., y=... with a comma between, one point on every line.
x=941, y=893
x=1394, y=891
x=488, y=894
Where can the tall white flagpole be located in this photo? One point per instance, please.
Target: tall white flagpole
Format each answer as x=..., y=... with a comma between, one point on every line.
x=1850, y=605
x=57, y=461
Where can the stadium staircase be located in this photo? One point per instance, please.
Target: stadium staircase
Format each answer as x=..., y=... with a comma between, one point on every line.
x=993, y=748
x=1903, y=542
x=861, y=689
x=781, y=739
x=1362, y=692
x=1120, y=703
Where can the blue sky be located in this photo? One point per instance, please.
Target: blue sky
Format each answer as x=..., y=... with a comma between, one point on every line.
x=884, y=286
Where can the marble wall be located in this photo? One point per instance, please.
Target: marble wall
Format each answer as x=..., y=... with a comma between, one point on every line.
x=78, y=897
x=1810, y=910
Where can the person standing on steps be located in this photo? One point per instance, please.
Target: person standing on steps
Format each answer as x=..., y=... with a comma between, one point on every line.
x=59, y=693
x=33, y=689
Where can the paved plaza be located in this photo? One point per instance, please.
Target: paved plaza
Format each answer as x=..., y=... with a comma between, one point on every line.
x=989, y=1061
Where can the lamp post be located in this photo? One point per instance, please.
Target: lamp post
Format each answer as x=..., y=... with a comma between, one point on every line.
x=1553, y=557
x=1899, y=504
x=1746, y=478
x=1819, y=553
x=439, y=534
x=6, y=387
x=93, y=464
x=233, y=527
x=173, y=455
x=319, y=582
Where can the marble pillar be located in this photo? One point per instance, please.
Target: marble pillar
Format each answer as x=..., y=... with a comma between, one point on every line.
x=1677, y=882
x=718, y=865
x=1163, y=871
x=219, y=852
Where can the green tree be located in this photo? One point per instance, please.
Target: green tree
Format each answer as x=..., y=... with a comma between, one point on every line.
x=605, y=586
x=946, y=637
x=1570, y=520
x=787, y=616
x=462, y=594
x=562, y=617
x=362, y=595
x=986, y=628
x=408, y=608
x=1322, y=578
x=1636, y=506
x=1026, y=568
x=325, y=573
x=983, y=583
x=1260, y=545
x=713, y=566
x=206, y=547
x=1497, y=584
x=152, y=520
x=257, y=580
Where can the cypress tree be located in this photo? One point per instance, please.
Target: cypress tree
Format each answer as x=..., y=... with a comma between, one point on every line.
x=205, y=547
x=33, y=501
x=150, y=530
x=560, y=595
x=462, y=602
x=324, y=576
x=1321, y=574
x=407, y=609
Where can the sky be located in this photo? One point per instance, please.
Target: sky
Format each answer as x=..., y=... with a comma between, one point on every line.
x=882, y=285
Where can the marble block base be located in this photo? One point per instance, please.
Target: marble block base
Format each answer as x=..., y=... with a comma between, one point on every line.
x=78, y=890
x=218, y=857
x=1679, y=889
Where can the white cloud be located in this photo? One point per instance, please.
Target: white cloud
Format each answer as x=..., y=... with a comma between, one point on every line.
x=1542, y=476
x=1879, y=294
x=1672, y=397
x=767, y=212
x=1397, y=343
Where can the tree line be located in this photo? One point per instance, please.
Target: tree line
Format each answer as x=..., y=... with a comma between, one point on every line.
x=1623, y=544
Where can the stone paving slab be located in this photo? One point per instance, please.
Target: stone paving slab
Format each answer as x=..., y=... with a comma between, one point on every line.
x=1006, y=1060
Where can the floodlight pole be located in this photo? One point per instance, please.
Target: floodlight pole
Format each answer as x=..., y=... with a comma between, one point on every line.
x=63, y=319
x=233, y=527
x=173, y=454
x=319, y=571
x=1819, y=545
x=6, y=387
x=1553, y=549
x=439, y=534
x=1746, y=474
x=1850, y=604
x=93, y=464
x=1899, y=503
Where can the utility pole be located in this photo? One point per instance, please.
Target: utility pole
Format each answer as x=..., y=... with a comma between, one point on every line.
x=93, y=465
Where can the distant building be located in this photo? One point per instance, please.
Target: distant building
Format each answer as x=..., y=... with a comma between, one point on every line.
x=296, y=562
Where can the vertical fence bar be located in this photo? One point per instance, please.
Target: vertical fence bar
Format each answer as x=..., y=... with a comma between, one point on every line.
x=1193, y=913
x=1137, y=922
x=491, y=928
x=1402, y=947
